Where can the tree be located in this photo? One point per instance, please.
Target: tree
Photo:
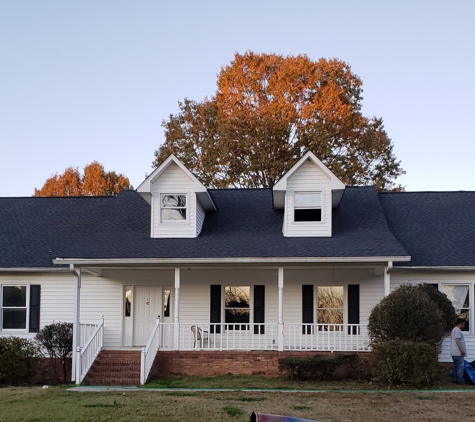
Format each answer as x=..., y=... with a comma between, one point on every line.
x=269, y=110
x=95, y=182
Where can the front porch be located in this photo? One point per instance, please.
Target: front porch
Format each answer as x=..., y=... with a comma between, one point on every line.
x=219, y=310
x=182, y=339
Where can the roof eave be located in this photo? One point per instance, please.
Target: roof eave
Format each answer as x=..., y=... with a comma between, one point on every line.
x=228, y=260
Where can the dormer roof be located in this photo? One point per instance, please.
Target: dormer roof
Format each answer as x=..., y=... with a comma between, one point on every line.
x=279, y=189
x=201, y=191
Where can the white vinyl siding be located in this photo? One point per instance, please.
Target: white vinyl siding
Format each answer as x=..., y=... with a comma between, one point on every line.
x=200, y=218
x=173, y=181
x=308, y=178
x=56, y=302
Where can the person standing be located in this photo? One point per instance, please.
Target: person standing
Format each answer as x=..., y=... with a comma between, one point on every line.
x=458, y=350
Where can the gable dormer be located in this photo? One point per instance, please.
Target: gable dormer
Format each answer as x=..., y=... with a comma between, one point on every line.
x=307, y=193
x=178, y=200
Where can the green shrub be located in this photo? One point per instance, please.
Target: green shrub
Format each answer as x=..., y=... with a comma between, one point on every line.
x=444, y=304
x=408, y=314
x=322, y=367
x=18, y=360
x=399, y=361
x=57, y=341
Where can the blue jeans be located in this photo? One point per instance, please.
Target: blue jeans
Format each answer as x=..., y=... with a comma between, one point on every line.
x=458, y=368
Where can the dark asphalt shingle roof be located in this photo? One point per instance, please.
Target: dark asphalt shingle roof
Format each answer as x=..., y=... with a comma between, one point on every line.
x=436, y=228
x=34, y=231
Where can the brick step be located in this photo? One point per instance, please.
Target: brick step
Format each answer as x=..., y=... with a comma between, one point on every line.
x=115, y=367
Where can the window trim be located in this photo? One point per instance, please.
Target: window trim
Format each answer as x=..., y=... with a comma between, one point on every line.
x=187, y=208
x=250, y=310
x=26, y=307
x=470, y=297
x=320, y=207
x=343, y=309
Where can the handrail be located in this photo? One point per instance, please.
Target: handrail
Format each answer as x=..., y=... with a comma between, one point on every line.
x=267, y=336
x=86, y=355
x=149, y=352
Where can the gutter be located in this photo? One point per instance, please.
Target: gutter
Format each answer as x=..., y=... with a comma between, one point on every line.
x=35, y=270
x=246, y=260
x=436, y=268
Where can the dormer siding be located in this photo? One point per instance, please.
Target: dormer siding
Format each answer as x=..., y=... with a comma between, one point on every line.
x=200, y=217
x=308, y=178
x=174, y=181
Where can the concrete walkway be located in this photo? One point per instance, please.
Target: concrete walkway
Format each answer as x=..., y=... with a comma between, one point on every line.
x=89, y=389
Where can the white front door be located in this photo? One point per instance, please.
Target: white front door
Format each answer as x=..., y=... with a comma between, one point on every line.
x=147, y=305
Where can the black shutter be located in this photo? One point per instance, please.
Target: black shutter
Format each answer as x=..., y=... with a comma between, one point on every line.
x=307, y=307
x=35, y=293
x=353, y=307
x=259, y=309
x=215, y=309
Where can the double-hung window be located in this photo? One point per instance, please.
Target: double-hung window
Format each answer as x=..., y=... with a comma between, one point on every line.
x=173, y=207
x=237, y=307
x=307, y=206
x=330, y=307
x=459, y=295
x=14, y=307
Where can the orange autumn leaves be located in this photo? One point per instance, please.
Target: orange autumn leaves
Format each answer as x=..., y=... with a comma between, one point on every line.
x=268, y=110
x=95, y=181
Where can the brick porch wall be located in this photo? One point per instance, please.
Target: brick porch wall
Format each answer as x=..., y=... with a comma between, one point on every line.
x=204, y=363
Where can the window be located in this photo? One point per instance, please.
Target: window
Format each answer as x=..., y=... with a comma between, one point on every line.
x=459, y=295
x=14, y=307
x=173, y=208
x=166, y=302
x=307, y=206
x=128, y=302
x=237, y=307
x=330, y=306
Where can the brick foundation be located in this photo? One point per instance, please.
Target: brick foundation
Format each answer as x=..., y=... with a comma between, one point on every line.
x=204, y=363
x=45, y=375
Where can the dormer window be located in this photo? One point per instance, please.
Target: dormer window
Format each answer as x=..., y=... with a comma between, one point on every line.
x=307, y=206
x=173, y=208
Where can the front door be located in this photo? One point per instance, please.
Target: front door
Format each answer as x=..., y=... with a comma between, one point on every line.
x=147, y=307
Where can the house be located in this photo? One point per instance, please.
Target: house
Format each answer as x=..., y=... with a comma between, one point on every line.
x=176, y=271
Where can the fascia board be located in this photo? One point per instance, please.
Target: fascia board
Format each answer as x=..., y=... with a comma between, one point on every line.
x=244, y=260
x=435, y=268
x=35, y=270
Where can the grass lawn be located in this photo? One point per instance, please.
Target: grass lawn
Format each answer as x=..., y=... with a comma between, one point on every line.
x=58, y=404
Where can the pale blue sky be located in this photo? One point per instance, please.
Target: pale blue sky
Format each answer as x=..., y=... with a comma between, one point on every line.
x=93, y=80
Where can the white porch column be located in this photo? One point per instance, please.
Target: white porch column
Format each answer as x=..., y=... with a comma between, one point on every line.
x=387, y=278
x=280, y=329
x=77, y=311
x=177, y=310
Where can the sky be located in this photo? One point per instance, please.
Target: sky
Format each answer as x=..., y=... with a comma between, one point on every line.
x=93, y=80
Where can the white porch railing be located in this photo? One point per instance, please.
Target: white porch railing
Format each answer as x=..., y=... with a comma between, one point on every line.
x=326, y=337
x=149, y=352
x=294, y=337
x=85, y=356
x=85, y=333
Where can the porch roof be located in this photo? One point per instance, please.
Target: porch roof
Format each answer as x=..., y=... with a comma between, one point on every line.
x=34, y=231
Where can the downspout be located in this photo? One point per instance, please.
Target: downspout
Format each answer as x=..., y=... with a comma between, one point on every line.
x=77, y=305
x=387, y=278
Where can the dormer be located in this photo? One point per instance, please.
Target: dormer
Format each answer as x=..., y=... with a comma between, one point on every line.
x=307, y=193
x=178, y=200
